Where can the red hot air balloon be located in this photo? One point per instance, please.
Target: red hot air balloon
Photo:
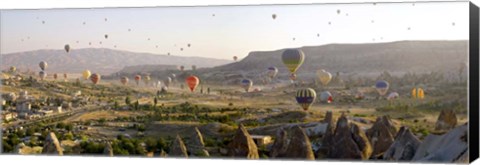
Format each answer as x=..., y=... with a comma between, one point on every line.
x=192, y=82
x=95, y=78
x=137, y=79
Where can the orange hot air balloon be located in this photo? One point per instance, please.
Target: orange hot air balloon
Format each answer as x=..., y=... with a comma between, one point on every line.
x=192, y=82
x=95, y=78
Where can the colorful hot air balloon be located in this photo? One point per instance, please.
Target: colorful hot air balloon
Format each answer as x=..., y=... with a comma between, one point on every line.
x=246, y=84
x=192, y=82
x=272, y=71
x=167, y=81
x=326, y=96
x=95, y=78
x=418, y=93
x=382, y=87
x=43, y=65
x=306, y=97
x=55, y=76
x=86, y=74
x=137, y=79
x=42, y=75
x=124, y=80
x=293, y=59
x=392, y=96
x=235, y=58
x=324, y=76
x=67, y=48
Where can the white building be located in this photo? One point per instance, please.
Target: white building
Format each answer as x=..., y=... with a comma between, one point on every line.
x=262, y=140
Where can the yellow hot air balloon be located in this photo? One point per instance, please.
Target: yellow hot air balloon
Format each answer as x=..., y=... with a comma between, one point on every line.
x=86, y=74
x=418, y=93
x=324, y=76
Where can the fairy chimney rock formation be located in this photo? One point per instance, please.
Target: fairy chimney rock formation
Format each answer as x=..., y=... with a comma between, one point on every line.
x=243, y=145
x=196, y=145
x=279, y=147
x=299, y=146
x=178, y=148
x=51, y=145
x=108, y=150
x=381, y=135
x=404, y=146
x=350, y=142
x=446, y=120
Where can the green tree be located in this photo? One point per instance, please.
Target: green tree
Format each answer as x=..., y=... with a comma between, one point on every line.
x=155, y=101
x=127, y=100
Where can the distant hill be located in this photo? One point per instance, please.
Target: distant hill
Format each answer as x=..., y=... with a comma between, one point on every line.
x=99, y=60
x=350, y=59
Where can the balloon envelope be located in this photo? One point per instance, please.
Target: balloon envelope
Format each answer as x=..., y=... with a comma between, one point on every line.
x=382, y=87
x=293, y=59
x=95, y=78
x=42, y=75
x=67, y=48
x=192, y=82
x=324, y=76
x=306, y=97
x=86, y=74
x=272, y=72
x=326, y=96
x=418, y=93
x=124, y=80
x=246, y=84
x=392, y=96
x=43, y=65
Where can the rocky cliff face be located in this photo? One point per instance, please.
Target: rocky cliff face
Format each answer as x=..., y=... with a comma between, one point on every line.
x=404, y=147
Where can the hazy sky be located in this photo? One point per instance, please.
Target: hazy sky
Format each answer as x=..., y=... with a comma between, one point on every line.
x=234, y=30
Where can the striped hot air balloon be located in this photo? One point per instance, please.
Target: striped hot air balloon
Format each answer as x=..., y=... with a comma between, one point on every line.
x=246, y=84
x=95, y=78
x=192, y=82
x=305, y=97
x=382, y=87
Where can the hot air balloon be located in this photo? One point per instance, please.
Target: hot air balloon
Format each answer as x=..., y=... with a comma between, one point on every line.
x=392, y=96
x=67, y=48
x=338, y=11
x=274, y=16
x=418, y=93
x=293, y=59
x=167, y=81
x=382, y=87
x=194, y=67
x=86, y=74
x=146, y=79
x=95, y=78
x=324, y=76
x=13, y=69
x=42, y=75
x=65, y=76
x=137, y=79
x=246, y=84
x=192, y=82
x=272, y=71
x=182, y=68
x=106, y=36
x=235, y=58
x=55, y=76
x=326, y=96
x=188, y=45
x=305, y=97
x=159, y=83
x=124, y=80
x=43, y=65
